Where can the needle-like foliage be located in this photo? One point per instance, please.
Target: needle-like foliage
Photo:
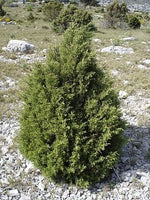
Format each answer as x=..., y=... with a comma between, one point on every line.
x=71, y=126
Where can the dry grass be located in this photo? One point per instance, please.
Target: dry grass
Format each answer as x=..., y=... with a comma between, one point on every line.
x=34, y=32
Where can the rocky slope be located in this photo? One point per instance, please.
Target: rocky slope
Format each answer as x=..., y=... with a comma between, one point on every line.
x=137, y=5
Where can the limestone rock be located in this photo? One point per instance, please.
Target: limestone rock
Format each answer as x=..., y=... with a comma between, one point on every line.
x=13, y=192
x=142, y=66
x=97, y=40
x=19, y=46
x=146, y=61
x=122, y=94
x=118, y=50
x=128, y=39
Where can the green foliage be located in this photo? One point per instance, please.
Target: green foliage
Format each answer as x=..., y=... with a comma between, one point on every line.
x=72, y=14
x=2, y=11
x=52, y=9
x=32, y=1
x=134, y=22
x=30, y=17
x=115, y=14
x=30, y=8
x=64, y=18
x=89, y=2
x=148, y=154
x=71, y=126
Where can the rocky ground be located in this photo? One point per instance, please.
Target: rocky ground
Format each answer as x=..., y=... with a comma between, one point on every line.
x=130, y=179
x=133, y=5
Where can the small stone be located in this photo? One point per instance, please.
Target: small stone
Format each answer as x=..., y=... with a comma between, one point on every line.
x=41, y=186
x=128, y=39
x=65, y=194
x=94, y=197
x=44, y=50
x=4, y=23
x=144, y=180
x=89, y=198
x=4, y=149
x=146, y=61
x=114, y=72
x=97, y=40
x=122, y=94
x=146, y=189
x=125, y=82
x=13, y=193
x=128, y=62
x=29, y=167
x=60, y=191
x=142, y=67
x=24, y=197
x=124, y=159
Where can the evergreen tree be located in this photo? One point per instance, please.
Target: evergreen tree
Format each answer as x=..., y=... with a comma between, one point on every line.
x=52, y=9
x=116, y=13
x=73, y=15
x=71, y=126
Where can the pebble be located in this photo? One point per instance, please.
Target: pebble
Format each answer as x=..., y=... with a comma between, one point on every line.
x=13, y=193
x=122, y=94
x=24, y=197
x=142, y=67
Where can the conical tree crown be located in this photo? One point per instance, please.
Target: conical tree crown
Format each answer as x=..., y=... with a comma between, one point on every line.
x=71, y=125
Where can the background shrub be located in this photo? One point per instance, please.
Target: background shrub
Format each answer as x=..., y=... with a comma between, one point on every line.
x=71, y=126
x=72, y=14
x=52, y=9
x=65, y=18
x=30, y=17
x=2, y=11
x=89, y=2
x=116, y=13
x=133, y=22
x=30, y=8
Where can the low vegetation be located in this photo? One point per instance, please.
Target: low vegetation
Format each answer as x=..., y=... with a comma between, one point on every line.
x=116, y=14
x=2, y=11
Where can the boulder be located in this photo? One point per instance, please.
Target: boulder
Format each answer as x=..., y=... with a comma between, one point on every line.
x=19, y=46
x=117, y=50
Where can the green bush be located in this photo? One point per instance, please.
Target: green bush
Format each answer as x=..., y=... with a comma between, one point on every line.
x=71, y=126
x=61, y=23
x=116, y=13
x=30, y=8
x=2, y=11
x=30, y=17
x=32, y=1
x=72, y=14
x=133, y=22
x=89, y=2
x=52, y=9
